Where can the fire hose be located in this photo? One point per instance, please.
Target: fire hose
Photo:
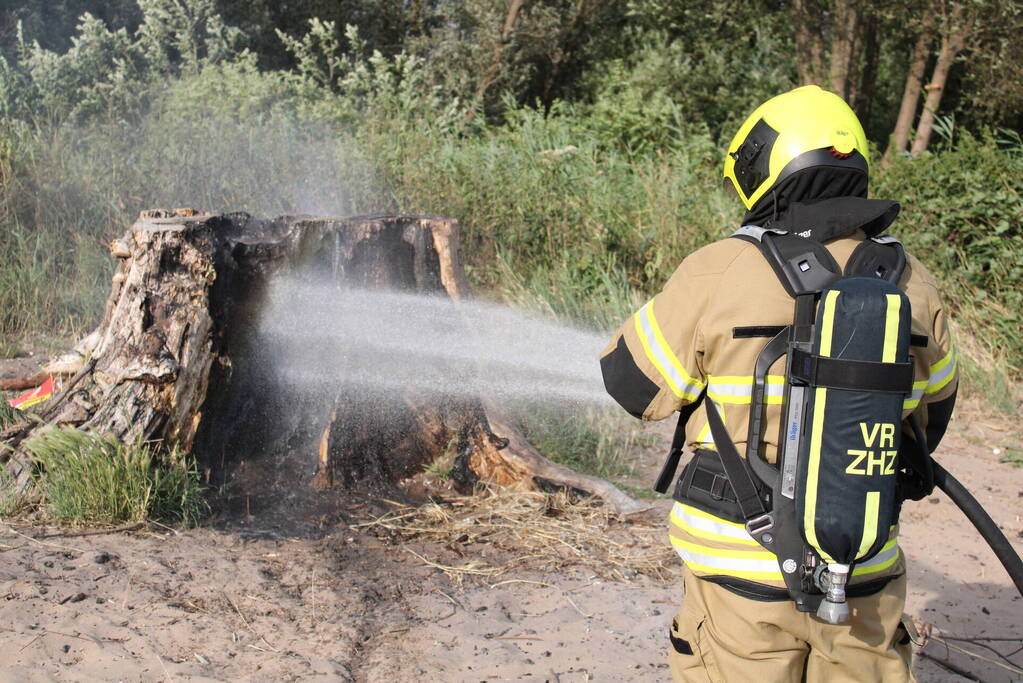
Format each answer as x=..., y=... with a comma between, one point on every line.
x=982, y=521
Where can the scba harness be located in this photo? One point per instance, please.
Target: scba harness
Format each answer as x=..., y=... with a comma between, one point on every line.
x=842, y=471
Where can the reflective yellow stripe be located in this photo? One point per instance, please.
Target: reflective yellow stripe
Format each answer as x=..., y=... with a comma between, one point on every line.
x=705, y=437
x=817, y=430
x=813, y=471
x=738, y=389
x=943, y=371
x=754, y=565
x=914, y=398
x=759, y=555
x=944, y=361
x=746, y=379
x=885, y=558
x=704, y=525
x=870, y=512
x=738, y=573
x=828, y=322
x=661, y=355
x=891, y=328
x=696, y=512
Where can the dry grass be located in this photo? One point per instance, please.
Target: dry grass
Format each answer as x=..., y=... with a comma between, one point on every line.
x=531, y=530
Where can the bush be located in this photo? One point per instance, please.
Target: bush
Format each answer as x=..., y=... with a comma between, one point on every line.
x=963, y=217
x=87, y=478
x=548, y=209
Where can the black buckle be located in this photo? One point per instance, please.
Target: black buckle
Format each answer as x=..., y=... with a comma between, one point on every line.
x=717, y=488
x=760, y=524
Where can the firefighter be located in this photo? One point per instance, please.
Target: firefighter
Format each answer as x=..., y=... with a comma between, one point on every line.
x=799, y=164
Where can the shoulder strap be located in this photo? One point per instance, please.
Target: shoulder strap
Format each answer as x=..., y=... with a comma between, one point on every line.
x=881, y=257
x=678, y=443
x=746, y=493
x=802, y=265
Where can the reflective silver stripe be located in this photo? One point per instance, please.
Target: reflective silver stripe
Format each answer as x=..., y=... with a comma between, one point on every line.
x=880, y=558
x=685, y=519
x=756, y=232
x=764, y=569
x=686, y=386
x=880, y=562
x=731, y=392
x=941, y=377
x=914, y=398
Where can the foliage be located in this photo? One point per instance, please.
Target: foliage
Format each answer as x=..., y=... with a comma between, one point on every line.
x=963, y=216
x=108, y=73
x=91, y=478
x=602, y=442
x=7, y=414
x=12, y=500
x=579, y=208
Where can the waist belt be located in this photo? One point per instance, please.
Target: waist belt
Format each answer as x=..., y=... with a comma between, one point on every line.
x=762, y=593
x=704, y=484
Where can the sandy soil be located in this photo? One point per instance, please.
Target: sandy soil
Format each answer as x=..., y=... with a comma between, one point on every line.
x=298, y=591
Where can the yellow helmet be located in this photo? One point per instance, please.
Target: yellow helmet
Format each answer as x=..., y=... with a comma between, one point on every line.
x=803, y=128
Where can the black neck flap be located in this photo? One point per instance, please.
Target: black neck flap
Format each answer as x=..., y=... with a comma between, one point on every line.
x=822, y=203
x=826, y=219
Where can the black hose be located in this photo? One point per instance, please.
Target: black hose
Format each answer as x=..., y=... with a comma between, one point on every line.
x=979, y=517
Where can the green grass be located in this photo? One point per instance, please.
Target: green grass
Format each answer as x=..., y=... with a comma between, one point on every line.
x=988, y=380
x=12, y=500
x=598, y=441
x=1012, y=456
x=87, y=479
x=8, y=415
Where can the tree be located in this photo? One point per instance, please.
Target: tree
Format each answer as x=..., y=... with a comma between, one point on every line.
x=971, y=33
x=914, y=84
x=838, y=47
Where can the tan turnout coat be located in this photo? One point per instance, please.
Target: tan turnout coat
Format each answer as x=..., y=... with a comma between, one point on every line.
x=682, y=341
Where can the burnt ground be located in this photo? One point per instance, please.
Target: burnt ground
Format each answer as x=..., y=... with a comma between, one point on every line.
x=283, y=584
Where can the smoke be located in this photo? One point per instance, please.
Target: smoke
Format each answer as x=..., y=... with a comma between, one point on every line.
x=381, y=341
x=275, y=166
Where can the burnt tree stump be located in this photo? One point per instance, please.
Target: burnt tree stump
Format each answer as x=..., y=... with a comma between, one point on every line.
x=177, y=357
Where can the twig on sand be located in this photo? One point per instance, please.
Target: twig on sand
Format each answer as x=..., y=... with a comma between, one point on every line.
x=164, y=526
x=515, y=638
x=535, y=583
x=23, y=647
x=949, y=666
x=473, y=567
x=96, y=532
x=975, y=655
x=247, y=624
x=45, y=632
x=35, y=540
x=546, y=585
x=981, y=641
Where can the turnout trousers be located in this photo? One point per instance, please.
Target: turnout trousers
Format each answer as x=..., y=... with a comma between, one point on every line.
x=721, y=637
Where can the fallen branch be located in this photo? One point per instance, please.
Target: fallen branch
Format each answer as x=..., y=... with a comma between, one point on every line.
x=22, y=383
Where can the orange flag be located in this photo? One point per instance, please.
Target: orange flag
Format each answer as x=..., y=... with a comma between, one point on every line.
x=33, y=396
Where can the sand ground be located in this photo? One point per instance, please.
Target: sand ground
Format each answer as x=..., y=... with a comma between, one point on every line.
x=307, y=594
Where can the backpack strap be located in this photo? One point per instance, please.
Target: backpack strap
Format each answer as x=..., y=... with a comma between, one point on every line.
x=881, y=257
x=678, y=444
x=802, y=265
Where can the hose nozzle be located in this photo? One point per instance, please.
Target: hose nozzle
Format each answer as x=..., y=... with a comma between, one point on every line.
x=834, y=609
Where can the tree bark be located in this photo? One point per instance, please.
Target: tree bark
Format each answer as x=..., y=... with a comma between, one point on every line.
x=179, y=357
x=808, y=20
x=952, y=43
x=861, y=98
x=914, y=83
x=845, y=47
